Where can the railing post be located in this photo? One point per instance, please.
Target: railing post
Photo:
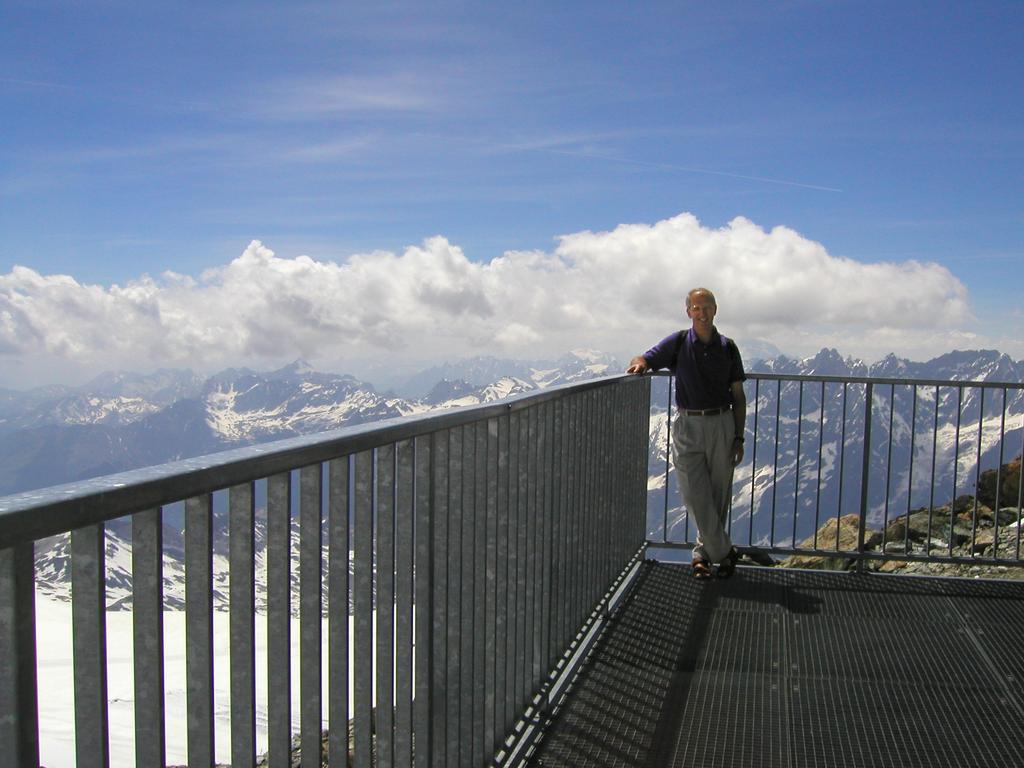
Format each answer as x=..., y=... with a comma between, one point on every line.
x=148, y=637
x=865, y=474
x=19, y=710
x=89, y=644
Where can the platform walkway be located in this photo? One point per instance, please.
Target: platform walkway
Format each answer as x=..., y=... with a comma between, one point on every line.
x=800, y=668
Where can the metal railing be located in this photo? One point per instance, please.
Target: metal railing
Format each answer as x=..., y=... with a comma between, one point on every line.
x=819, y=448
x=473, y=548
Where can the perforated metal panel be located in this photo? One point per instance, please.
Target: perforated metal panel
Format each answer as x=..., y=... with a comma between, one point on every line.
x=798, y=668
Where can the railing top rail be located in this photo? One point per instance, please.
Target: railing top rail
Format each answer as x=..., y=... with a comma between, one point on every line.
x=33, y=515
x=764, y=376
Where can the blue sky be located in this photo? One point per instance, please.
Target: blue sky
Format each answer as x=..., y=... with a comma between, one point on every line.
x=140, y=138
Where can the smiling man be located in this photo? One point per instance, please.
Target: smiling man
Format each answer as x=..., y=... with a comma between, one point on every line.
x=707, y=440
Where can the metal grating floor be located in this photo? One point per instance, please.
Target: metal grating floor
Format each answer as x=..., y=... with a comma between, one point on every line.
x=799, y=668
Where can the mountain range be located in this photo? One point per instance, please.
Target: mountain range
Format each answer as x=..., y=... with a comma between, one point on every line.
x=120, y=421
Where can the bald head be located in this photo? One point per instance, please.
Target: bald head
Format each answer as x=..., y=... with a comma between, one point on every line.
x=700, y=292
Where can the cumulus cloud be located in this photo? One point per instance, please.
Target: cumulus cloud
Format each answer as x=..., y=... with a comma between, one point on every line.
x=619, y=291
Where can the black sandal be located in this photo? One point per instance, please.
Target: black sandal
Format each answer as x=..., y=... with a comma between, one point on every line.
x=701, y=569
x=728, y=564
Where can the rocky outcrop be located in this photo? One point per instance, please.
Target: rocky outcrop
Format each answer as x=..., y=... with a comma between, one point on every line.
x=1008, y=477
x=840, y=533
x=966, y=528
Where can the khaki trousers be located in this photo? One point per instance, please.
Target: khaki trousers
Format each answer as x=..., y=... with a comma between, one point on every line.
x=702, y=452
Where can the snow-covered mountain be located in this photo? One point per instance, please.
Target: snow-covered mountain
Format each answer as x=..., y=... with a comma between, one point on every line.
x=484, y=370
x=121, y=421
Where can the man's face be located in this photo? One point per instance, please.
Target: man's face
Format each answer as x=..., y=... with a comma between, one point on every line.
x=701, y=311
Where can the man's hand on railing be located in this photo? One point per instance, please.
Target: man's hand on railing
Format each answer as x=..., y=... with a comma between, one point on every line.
x=638, y=365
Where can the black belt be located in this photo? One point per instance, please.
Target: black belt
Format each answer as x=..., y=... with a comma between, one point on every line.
x=705, y=411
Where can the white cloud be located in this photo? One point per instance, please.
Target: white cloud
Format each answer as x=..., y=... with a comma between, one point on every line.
x=320, y=97
x=619, y=291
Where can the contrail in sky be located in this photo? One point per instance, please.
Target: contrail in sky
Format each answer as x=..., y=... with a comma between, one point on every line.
x=668, y=167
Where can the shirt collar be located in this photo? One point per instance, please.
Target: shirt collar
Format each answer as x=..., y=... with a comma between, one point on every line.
x=693, y=338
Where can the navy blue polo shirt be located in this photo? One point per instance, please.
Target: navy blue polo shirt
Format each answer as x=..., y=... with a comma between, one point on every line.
x=703, y=372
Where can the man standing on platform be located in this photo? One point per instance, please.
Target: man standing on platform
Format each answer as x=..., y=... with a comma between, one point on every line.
x=707, y=437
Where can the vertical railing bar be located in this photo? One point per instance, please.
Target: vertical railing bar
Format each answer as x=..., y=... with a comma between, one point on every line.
x=491, y=589
x=931, y=488
x=569, y=446
x=865, y=477
x=1020, y=486
x=956, y=464
x=148, y=637
x=753, y=459
x=579, y=505
x=817, y=491
x=362, y=595
x=910, y=464
x=339, y=489
x=599, y=493
x=621, y=455
x=512, y=628
x=242, y=623
x=529, y=551
x=454, y=597
x=888, y=466
x=775, y=462
x=19, y=703
x=610, y=403
x=569, y=518
x=999, y=474
x=559, y=539
x=799, y=434
x=440, y=453
x=616, y=455
x=547, y=536
x=539, y=531
x=487, y=496
x=199, y=630
x=977, y=472
x=642, y=430
x=89, y=643
x=729, y=504
x=480, y=590
x=590, y=493
x=279, y=668
x=467, y=614
x=598, y=498
x=423, y=599
x=842, y=458
x=310, y=611
x=602, y=489
x=404, y=531
x=668, y=454
x=522, y=563
x=587, y=541
x=501, y=570
x=516, y=460
x=385, y=602
x=583, y=494
x=626, y=457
